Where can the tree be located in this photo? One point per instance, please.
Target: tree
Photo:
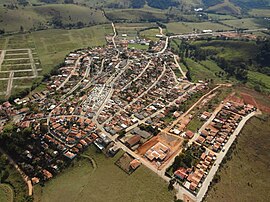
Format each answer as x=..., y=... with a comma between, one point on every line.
x=4, y=176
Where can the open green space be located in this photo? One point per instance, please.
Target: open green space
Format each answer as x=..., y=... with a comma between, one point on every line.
x=52, y=45
x=3, y=85
x=260, y=12
x=135, y=15
x=226, y=7
x=231, y=50
x=214, y=16
x=245, y=23
x=44, y=16
x=150, y=34
x=259, y=79
x=245, y=175
x=107, y=182
x=188, y=27
x=6, y=193
x=200, y=72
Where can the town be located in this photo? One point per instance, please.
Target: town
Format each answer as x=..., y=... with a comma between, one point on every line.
x=121, y=98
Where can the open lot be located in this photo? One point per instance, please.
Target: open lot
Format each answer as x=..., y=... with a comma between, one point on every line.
x=245, y=176
x=107, y=182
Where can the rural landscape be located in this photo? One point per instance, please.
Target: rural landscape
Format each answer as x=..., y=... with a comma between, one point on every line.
x=134, y=100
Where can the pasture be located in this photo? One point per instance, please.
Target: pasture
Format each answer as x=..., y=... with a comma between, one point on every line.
x=107, y=182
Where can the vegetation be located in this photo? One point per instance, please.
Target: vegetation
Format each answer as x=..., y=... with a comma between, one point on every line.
x=81, y=182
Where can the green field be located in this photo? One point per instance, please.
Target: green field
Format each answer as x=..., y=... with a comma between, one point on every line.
x=53, y=45
x=107, y=182
x=150, y=34
x=225, y=8
x=256, y=78
x=188, y=27
x=230, y=50
x=245, y=23
x=40, y=17
x=213, y=16
x=199, y=72
x=135, y=15
x=6, y=193
x=260, y=12
x=131, y=29
x=245, y=176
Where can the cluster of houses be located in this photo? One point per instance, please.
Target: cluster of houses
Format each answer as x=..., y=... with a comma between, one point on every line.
x=192, y=178
x=216, y=134
x=212, y=139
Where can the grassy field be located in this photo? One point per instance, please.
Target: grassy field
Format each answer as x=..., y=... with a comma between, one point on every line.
x=187, y=27
x=214, y=16
x=53, y=45
x=106, y=183
x=199, y=72
x=256, y=78
x=135, y=15
x=260, y=12
x=245, y=176
x=150, y=34
x=246, y=23
x=225, y=8
x=40, y=17
x=230, y=50
x=6, y=193
x=131, y=29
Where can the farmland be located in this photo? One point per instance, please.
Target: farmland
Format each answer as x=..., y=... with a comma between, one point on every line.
x=248, y=158
x=81, y=181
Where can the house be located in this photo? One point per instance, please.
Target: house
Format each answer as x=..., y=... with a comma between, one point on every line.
x=134, y=164
x=189, y=134
x=181, y=173
x=133, y=140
